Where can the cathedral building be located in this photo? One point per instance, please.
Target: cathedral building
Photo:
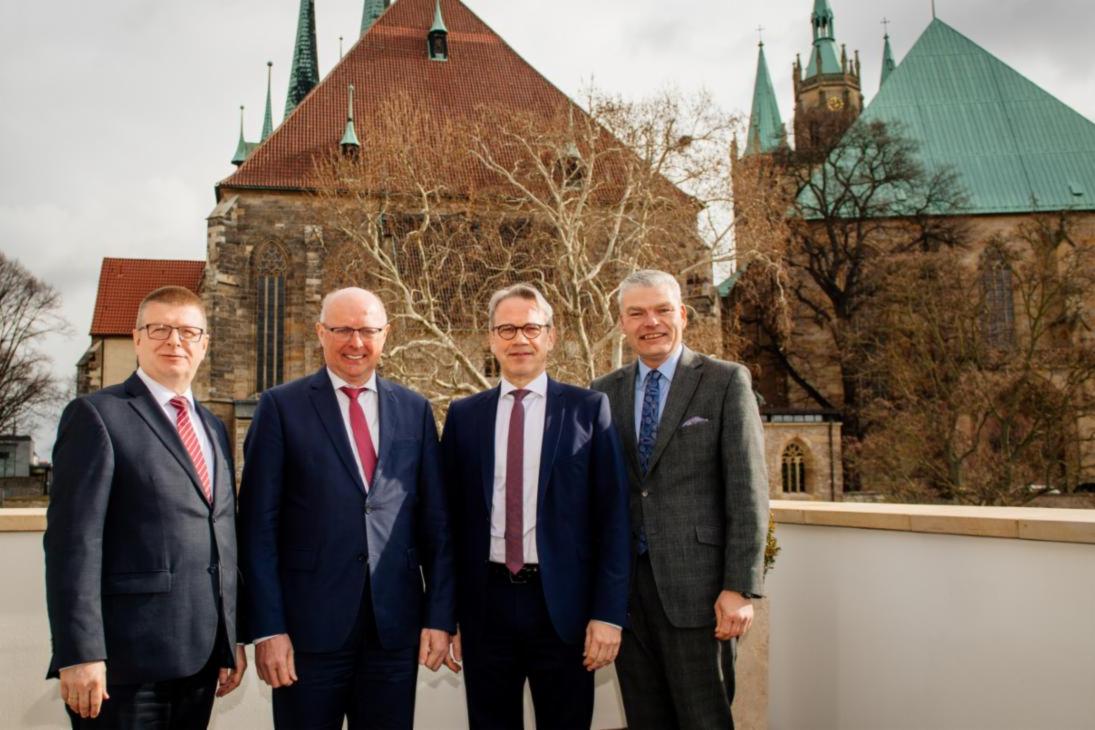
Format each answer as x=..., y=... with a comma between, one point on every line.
x=1016, y=152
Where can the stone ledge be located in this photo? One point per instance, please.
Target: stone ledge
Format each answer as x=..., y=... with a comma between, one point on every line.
x=22, y=519
x=1021, y=523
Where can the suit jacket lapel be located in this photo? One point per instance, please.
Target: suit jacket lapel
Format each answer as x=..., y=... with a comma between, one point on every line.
x=625, y=405
x=326, y=405
x=388, y=417
x=153, y=415
x=684, y=383
x=219, y=457
x=554, y=415
x=484, y=424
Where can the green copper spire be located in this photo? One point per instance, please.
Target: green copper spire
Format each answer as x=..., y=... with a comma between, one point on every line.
x=765, y=125
x=349, y=137
x=373, y=10
x=888, y=64
x=305, y=72
x=438, y=21
x=268, y=120
x=243, y=147
x=823, y=56
x=822, y=20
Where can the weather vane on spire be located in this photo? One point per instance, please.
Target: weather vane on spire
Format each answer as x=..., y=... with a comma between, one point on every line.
x=886, y=26
x=760, y=34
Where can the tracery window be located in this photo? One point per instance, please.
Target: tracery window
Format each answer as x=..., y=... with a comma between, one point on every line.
x=794, y=469
x=270, y=268
x=998, y=303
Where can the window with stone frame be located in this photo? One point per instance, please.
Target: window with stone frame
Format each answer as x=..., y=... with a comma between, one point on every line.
x=270, y=269
x=794, y=469
x=997, y=300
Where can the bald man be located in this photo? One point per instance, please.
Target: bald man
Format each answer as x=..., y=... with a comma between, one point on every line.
x=344, y=534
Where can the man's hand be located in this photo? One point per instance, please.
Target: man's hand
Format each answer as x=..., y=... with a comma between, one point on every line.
x=433, y=650
x=602, y=645
x=733, y=615
x=229, y=679
x=274, y=661
x=83, y=688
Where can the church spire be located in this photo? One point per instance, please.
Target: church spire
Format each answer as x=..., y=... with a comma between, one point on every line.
x=765, y=126
x=822, y=20
x=268, y=119
x=305, y=72
x=373, y=10
x=349, y=143
x=888, y=64
x=243, y=147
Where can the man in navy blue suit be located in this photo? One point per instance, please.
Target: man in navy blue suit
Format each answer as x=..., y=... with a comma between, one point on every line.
x=344, y=534
x=140, y=539
x=538, y=491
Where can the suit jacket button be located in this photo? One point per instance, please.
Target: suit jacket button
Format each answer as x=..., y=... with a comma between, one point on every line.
x=368, y=509
x=361, y=557
x=212, y=569
x=646, y=492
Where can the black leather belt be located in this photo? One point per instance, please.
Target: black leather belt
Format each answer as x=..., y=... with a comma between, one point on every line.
x=528, y=572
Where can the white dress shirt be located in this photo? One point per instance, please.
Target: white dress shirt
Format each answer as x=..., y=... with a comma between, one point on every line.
x=535, y=404
x=370, y=403
x=163, y=395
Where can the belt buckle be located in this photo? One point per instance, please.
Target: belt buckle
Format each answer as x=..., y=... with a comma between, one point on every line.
x=519, y=578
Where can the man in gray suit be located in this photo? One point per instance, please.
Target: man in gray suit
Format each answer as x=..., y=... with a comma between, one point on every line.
x=699, y=513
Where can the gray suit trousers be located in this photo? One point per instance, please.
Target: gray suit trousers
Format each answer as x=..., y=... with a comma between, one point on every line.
x=698, y=691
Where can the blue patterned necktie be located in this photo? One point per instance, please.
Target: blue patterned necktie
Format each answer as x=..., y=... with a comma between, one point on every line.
x=648, y=426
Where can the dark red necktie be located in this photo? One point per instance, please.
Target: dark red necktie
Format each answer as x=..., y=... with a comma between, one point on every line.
x=190, y=442
x=365, y=450
x=515, y=485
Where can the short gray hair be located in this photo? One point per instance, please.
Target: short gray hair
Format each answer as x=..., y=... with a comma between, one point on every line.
x=520, y=291
x=650, y=278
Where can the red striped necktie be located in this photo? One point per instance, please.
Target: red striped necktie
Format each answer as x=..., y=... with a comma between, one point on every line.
x=190, y=441
x=365, y=449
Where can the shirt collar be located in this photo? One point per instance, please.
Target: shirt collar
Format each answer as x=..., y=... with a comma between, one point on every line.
x=338, y=382
x=161, y=392
x=667, y=368
x=537, y=386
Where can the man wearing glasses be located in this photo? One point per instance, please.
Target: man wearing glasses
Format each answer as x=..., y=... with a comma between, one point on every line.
x=344, y=534
x=538, y=490
x=140, y=540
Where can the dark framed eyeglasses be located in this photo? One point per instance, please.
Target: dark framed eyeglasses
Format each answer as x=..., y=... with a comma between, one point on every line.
x=163, y=332
x=530, y=330
x=346, y=333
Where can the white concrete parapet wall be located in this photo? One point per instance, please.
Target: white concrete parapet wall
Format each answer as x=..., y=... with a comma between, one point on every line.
x=910, y=617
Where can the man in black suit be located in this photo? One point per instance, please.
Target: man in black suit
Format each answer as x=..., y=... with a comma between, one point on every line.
x=538, y=490
x=140, y=540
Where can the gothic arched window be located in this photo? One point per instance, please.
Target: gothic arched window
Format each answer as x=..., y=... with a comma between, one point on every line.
x=794, y=469
x=270, y=267
x=998, y=304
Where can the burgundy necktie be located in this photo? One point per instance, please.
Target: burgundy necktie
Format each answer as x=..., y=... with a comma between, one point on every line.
x=515, y=485
x=190, y=441
x=365, y=450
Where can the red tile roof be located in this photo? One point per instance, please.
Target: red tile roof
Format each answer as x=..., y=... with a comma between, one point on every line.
x=391, y=61
x=123, y=283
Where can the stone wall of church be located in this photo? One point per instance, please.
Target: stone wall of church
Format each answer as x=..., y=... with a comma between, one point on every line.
x=819, y=441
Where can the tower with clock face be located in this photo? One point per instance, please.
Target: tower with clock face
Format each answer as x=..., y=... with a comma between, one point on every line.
x=827, y=91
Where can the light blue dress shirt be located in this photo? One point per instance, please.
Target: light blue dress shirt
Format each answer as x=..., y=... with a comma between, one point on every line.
x=667, y=369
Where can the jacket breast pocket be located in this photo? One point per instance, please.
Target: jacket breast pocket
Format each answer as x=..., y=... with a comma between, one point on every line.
x=154, y=581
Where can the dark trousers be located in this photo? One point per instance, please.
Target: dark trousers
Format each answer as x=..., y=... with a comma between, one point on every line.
x=172, y=704
x=372, y=687
x=672, y=677
x=518, y=642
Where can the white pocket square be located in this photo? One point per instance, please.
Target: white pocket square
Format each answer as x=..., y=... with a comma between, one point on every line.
x=693, y=421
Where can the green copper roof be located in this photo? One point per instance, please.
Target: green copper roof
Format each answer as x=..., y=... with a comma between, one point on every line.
x=438, y=21
x=349, y=136
x=1015, y=147
x=373, y=9
x=268, y=119
x=823, y=56
x=728, y=283
x=765, y=126
x=888, y=64
x=243, y=147
x=304, y=74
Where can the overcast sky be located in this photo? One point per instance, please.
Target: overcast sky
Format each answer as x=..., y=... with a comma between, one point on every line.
x=118, y=116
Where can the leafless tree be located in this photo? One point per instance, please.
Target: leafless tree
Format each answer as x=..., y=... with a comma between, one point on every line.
x=28, y=312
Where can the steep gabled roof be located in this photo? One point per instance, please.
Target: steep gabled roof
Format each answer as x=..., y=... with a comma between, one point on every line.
x=1015, y=147
x=391, y=60
x=123, y=283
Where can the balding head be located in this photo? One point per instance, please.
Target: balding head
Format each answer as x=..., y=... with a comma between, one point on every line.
x=352, y=328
